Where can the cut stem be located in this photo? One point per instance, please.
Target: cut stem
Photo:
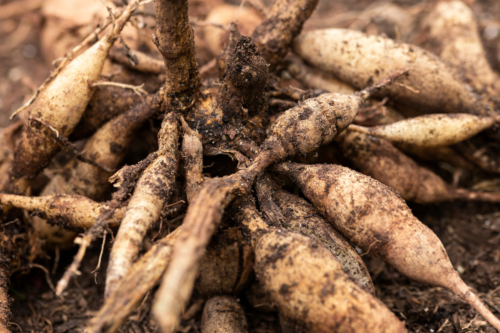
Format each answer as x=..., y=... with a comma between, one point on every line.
x=175, y=40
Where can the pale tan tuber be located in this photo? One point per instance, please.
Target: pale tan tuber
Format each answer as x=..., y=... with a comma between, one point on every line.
x=452, y=32
x=430, y=131
x=297, y=215
x=223, y=314
x=379, y=159
x=61, y=104
x=67, y=211
x=309, y=285
x=374, y=217
x=358, y=59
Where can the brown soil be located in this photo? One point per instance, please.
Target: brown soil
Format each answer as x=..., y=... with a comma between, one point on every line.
x=469, y=231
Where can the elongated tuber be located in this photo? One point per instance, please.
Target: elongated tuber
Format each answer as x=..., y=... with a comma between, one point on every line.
x=300, y=216
x=379, y=159
x=61, y=104
x=67, y=211
x=429, y=131
x=223, y=314
x=308, y=284
x=374, y=217
x=452, y=33
x=360, y=60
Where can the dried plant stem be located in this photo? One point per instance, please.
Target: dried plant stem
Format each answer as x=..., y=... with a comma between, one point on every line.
x=175, y=39
x=130, y=291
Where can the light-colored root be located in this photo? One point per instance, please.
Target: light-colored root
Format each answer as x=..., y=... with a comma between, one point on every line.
x=464, y=292
x=223, y=314
x=4, y=299
x=430, y=131
x=203, y=216
x=452, y=33
x=130, y=291
x=463, y=194
x=138, y=61
x=152, y=191
x=68, y=211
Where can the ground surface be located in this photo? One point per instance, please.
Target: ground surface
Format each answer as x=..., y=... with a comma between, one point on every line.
x=470, y=232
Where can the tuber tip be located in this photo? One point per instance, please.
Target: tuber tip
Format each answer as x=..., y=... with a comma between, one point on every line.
x=463, y=291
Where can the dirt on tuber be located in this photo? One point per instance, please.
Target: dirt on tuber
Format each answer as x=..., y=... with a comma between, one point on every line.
x=308, y=284
x=375, y=218
x=223, y=314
